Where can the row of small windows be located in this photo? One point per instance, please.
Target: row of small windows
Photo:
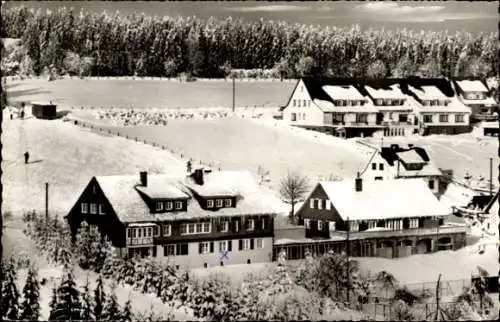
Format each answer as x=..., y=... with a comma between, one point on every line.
x=444, y=118
x=475, y=96
x=169, y=205
x=349, y=102
x=209, y=247
x=93, y=208
x=393, y=224
x=305, y=103
x=389, y=102
x=298, y=116
x=316, y=203
x=219, y=203
x=435, y=103
x=189, y=229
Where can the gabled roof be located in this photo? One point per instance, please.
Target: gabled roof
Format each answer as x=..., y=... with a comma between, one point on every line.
x=129, y=206
x=410, y=156
x=216, y=184
x=428, y=93
x=472, y=86
x=386, y=199
x=385, y=92
x=327, y=106
x=343, y=92
x=391, y=155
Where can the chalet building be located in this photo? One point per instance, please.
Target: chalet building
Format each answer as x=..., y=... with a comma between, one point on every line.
x=397, y=162
x=476, y=96
x=388, y=218
x=439, y=110
x=395, y=112
x=202, y=219
x=333, y=106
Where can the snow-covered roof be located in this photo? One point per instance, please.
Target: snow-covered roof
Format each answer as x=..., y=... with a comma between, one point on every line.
x=472, y=86
x=454, y=106
x=326, y=106
x=380, y=93
x=343, y=92
x=410, y=156
x=398, y=198
x=161, y=187
x=429, y=93
x=129, y=206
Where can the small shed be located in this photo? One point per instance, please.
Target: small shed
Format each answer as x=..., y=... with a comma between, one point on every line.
x=46, y=111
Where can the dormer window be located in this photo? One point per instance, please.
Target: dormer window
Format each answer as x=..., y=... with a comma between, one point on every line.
x=178, y=205
x=169, y=205
x=228, y=202
x=219, y=203
x=355, y=103
x=379, y=102
x=159, y=206
x=210, y=203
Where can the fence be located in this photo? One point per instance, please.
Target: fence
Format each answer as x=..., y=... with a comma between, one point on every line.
x=386, y=312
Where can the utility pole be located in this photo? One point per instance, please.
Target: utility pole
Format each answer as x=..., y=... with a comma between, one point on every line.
x=491, y=177
x=348, y=251
x=234, y=90
x=46, y=203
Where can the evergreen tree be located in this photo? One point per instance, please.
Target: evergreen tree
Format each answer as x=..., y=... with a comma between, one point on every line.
x=67, y=306
x=112, y=308
x=9, y=302
x=99, y=300
x=53, y=302
x=86, y=302
x=30, y=307
x=126, y=315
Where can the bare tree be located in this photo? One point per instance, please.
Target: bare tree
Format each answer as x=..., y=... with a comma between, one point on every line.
x=293, y=189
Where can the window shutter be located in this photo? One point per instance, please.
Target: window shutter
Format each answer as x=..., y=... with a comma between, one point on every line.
x=200, y=248
x=251, y=243
x=229, y=245
x=154, y=251
x=240, y=244
x=211, y=247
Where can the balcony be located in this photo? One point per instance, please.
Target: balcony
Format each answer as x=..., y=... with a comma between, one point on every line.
x=144, y=241
x=445, y=229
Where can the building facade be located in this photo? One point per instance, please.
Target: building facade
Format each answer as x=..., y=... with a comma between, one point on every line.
x=201, y=220
x=475, y=95
x=391, y=218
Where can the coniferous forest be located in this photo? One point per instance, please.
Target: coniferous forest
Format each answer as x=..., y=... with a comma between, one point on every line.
x=86, y=43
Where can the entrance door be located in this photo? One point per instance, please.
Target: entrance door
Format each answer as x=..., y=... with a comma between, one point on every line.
x=380, y=118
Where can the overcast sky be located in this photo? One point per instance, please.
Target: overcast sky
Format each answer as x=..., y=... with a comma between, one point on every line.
x=474, y=16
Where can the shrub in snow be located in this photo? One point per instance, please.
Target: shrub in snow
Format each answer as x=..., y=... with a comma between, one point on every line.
x=87, y=304
x=9, y=302
x=111, y=310
x=126, y=314
x=30, y=306
x=99, y=299
x=67, y=305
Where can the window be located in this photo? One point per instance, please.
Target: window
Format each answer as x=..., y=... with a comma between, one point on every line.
x=307, y=223
x=403, y=118
x=204, y=248
x=320, y=203
x=159, y=206
x=129, y=232
x=328, y=204
x=381, y=166
x=294, y=117
x=304, y=103
x=184, y=230
x=459, y=118
x=210, y=203
x=443, y=118
x=311, y=203
x=101, y=210
x=156, y=231
x=178, y=205
x=309, y=103
x=199, y=227
x=169, y=205
x=361, y=118
x=169, y=250
x=320, y=225
x=225, y=246
x=251, y=225
x=431, y=184
x=150, y=231
x=228, y=202
x=236, y=226
x=263, y=223
x=294, y=103
x=191, y=228
x=374, y=166
x=167, y=230
x=206, y=227
x=134, y=232
x=246, y=244
x=85, y=208
x=378, y=178
x=225, y=227
x=304, y=116
x=259, y=243
x=298, y=103
x=428, y=118
x=355, y=103
x=139, y=233
x=93, y=208
x=378, y=102
x=301, y=88
x=331, y=225
x=181, y=249
x=219, y=203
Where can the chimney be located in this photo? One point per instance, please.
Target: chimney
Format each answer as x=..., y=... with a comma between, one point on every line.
x=410, y=146
x=144, y=178
x=198, y=176
x=359, y=183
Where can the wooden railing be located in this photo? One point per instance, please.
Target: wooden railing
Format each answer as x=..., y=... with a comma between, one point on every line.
x=139, y=241
x=447, y=229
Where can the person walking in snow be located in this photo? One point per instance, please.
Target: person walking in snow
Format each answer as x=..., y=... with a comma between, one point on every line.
x=26, y=157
